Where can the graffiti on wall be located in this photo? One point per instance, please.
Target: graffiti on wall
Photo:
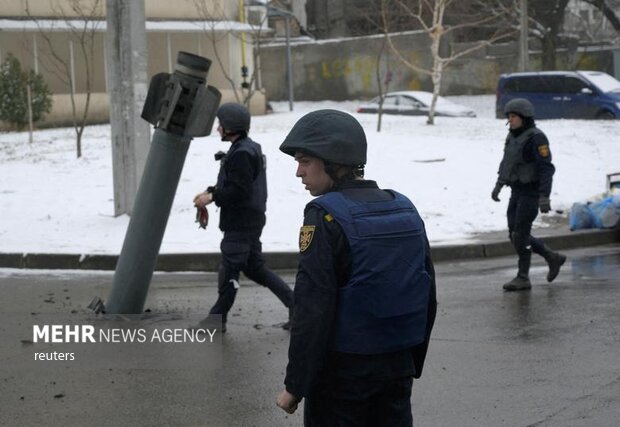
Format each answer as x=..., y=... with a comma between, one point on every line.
x=360, y=72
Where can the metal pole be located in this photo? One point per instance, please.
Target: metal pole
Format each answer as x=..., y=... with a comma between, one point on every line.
x=72, y=65
x=181, y=107
x=147, y=225
x=289, y=62
x=30, y=124
x=106, y=80
x=169, y=48
x=127, y=84
x=35, y=54
x=523, y=38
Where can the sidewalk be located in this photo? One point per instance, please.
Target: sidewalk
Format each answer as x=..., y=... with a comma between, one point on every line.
x=484, y=245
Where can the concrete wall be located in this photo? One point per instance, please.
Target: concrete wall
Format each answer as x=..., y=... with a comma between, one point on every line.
x=61, y=114
x=346, y=69
x=26, y=45
x=341, y=69
x=33, y=52
x=21, y=45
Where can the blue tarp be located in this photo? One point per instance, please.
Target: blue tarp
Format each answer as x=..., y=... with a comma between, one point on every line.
x=602, y=214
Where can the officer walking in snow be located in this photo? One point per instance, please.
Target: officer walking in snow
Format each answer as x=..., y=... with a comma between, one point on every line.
x=241, y=194
x=527, y=169
x=365, y=299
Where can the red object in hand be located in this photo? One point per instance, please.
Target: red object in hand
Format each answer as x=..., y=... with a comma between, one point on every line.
x=202, y=217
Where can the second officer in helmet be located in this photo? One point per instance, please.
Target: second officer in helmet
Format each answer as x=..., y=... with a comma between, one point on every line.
x=241, y=195
x=365, y=287
x=527, y=169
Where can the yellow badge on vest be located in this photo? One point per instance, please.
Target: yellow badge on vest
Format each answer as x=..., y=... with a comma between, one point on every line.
x=305, y=237
x=543, y=150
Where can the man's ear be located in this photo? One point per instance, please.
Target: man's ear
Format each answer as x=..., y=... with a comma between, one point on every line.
x=342, y=170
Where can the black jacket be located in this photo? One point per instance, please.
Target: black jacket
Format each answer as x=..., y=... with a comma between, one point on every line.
x=241, y=180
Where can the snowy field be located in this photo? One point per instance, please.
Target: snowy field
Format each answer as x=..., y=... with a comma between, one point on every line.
x=52, y=202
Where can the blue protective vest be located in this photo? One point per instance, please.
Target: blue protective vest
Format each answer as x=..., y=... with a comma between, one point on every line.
x=384, y=305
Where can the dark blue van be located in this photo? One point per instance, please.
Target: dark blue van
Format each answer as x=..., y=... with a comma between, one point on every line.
x=562, y=94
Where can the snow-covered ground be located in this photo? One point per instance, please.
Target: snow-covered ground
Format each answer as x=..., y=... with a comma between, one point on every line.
x=52, y=202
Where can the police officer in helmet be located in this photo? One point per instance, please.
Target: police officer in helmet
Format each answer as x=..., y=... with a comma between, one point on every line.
x=241, y=195
x=527, y=169
x=365, y=299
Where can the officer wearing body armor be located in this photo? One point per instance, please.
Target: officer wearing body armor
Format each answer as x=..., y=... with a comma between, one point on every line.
x=365, y=299
x=241, y=195
x=527, y=169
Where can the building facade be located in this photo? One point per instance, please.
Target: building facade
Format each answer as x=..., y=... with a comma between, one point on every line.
x=44, y=35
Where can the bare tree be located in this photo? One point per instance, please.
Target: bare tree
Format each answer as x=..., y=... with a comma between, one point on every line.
x=214, y=24
x=82, y=19
x=610, y=9
x=593, y=27
x=369, y=20
x=429, y=15
x=546, y=22
x=384, y=77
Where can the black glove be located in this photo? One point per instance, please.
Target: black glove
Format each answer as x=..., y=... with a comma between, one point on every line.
x=544, y=204
x=495, y=192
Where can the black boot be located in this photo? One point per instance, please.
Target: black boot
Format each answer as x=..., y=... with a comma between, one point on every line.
x=518, y=284
x=522, y=281
x=555, y=260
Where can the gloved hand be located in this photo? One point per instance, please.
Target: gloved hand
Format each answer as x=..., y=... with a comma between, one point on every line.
x=495, y=192
x=544, y=204
x=202, y=217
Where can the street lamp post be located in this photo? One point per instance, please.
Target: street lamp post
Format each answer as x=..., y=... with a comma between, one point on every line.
x=289, y=62
x=523, y=39
x=275, y=11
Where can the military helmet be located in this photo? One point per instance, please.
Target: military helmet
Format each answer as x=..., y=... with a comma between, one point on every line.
x=234, y=117
x=331, y=135
x=520, y=106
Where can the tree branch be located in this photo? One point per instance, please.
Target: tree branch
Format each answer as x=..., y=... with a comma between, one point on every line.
x=608, y=12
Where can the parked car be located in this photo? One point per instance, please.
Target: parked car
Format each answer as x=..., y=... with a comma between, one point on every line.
x=562, y=94
x=415, y=103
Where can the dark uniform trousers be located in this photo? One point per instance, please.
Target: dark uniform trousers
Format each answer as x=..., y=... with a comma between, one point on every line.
x=242, y=252
x=360, y=403
x=522, y=211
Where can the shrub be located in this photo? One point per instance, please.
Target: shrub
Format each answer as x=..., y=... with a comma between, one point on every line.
x=14, y=95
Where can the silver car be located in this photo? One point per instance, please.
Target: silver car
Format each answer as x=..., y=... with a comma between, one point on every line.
x=415, y=103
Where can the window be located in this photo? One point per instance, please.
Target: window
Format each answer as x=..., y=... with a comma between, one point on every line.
x=554, y=84
x=409, y=102
x=389, y=100
x=536, y=84
x=574, y=85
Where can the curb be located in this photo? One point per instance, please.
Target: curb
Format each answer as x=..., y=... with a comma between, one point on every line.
x=576, y=239
x=288, y=260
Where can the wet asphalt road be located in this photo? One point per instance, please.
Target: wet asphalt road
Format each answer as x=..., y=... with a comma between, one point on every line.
x=547, y=357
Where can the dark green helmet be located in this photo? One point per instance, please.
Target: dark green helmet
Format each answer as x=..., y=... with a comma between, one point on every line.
x=234, y=118
x=331, y=135
x=520, y=106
